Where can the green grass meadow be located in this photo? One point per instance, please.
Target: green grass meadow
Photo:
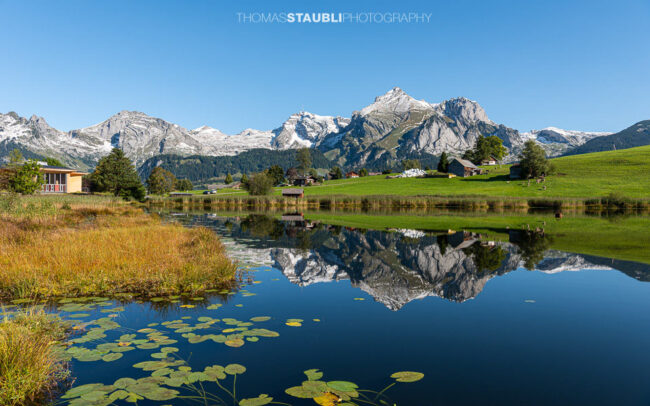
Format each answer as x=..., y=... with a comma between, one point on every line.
x=624, y=173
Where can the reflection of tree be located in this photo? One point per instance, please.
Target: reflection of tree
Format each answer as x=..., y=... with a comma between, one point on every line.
x=486, y=258
x=443, y=243
x=260, y=225
x=532, y=245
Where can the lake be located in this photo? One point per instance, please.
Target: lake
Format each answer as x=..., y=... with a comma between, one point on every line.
x=489, y=315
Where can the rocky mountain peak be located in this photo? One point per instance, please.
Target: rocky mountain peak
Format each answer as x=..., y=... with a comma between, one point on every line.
x=305, y=129
x=463, y=109
x=395, y=101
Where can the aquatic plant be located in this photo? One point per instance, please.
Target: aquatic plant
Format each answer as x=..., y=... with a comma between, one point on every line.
x=31, y=367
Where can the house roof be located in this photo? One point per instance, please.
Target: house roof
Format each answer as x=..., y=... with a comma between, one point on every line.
x=61, y=169
x=466, y=163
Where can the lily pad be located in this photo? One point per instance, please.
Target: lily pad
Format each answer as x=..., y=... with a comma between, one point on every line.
x=313, y=374
x=234, y=369
x=262, y=399
x=235, y=342
x=407, y=376
x=343, y=386
x=114, y=356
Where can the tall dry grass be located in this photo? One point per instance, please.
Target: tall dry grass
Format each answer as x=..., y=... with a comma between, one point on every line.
x=30, y=368
x=92, y=250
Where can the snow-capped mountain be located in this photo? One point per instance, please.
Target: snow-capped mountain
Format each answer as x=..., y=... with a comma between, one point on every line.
x=306, y=130
x=557, y=141
x=395, y=126
x=38, y=137
x=141, y=137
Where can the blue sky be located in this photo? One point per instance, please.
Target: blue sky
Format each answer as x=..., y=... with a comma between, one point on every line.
x=572, y=64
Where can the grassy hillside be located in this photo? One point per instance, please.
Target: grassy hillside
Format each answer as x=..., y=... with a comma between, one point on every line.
x=623, y=172
x=634, y=136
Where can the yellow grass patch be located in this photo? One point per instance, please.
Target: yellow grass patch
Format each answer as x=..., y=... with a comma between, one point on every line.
x=105, y=250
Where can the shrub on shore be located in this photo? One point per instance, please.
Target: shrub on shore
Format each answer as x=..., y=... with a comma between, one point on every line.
x=30, y=367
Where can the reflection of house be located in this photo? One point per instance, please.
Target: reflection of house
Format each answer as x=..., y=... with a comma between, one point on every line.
x=304, y=180
x=293, y=193
x=462, y=239
x=489, y=161
x=61, y=180
x=515, y=171
x=352, y=175
x=464, y=168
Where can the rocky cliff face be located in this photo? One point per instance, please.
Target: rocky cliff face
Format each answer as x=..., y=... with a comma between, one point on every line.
x=397, y=126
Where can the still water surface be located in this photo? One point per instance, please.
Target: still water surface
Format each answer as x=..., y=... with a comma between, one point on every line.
x=486, y=322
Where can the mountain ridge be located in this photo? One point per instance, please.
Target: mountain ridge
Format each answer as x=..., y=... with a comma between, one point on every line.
x=393, y=127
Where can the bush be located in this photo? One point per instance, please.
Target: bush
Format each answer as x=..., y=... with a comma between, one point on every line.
x=260, y=184
x=184, y=185
x=161, y=181
x=27, y=179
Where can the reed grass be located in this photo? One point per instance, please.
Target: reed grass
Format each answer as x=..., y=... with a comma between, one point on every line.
x=30, y=367
x=93, y=249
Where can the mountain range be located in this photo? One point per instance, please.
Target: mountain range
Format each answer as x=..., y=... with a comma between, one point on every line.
x=395, y=126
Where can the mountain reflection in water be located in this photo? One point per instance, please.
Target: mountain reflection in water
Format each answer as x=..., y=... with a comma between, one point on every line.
x=395, y=266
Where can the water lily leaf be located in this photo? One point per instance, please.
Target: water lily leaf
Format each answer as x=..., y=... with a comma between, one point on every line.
x=262, y=332
x=293, y=324
x=119, y=394
x=260, y=318
x=169, y=349
x=151, y=365
x=407, y=376
x=159, y=355
x=343, y=386
x=327, y=399
x=215, y=372
x=81, y=390
x=235, y=342
x=359, y=298
x=234, y=369
x=262, y=399
x=89, y=356
x=78, y=315
x=112, y=356
x=148, y=330
x=252, y=339
x=123, y=382
x=148, y=346
x=162, y=372
x=214, y=307
x=313, y=374
x=188, y=306
x=93, y=396
x=303, y=392
x=175, y=382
